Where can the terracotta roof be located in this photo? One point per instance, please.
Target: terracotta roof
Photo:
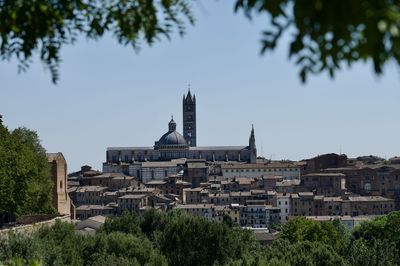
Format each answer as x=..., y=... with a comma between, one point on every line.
x=324, y=174
x=258, y=166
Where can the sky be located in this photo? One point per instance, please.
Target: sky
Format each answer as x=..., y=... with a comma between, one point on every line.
x=109, y=95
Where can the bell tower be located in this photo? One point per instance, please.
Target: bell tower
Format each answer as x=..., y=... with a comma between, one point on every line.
x=189, y=118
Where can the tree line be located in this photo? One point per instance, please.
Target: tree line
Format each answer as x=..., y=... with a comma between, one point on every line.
x=177, y=238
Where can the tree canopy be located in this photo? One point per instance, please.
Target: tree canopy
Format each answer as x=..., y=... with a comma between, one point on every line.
x=28, y=27
x=324, y=35
x=176, y=238
x=25, y=183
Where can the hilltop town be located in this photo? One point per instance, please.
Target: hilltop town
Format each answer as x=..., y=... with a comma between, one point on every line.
x=228, y=182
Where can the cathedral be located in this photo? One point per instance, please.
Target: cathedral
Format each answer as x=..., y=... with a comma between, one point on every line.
x=173, y=145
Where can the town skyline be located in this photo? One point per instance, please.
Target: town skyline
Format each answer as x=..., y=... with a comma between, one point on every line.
x=200, y=133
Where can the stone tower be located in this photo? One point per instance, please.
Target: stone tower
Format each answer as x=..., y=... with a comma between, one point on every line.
x=252, y=146
x=189, y=118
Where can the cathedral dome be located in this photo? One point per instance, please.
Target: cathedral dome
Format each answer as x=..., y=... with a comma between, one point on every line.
x=171, y=139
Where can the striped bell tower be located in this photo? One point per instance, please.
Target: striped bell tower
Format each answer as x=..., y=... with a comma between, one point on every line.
x=189, y=118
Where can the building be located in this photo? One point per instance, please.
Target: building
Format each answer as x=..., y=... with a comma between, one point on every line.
x=89, y=195
x=203, y=210
x=287, y=171
x=372, y=180
x=90, y=225
x=194, y=195
x=132, y=203
x=283, y=203
x=172, y=145
x=240, y=184
x=147, y=171
x=171, y=185
x=196, y=172
x=327, y=184
x=308, y=204
x=259, y=216
x=302, y=204
x=113, y=181
x=330, y=160
x=288, y=186
x=232, y=211
x=61, y=201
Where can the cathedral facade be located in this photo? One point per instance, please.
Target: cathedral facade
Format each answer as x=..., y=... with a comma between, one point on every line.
x=172, y=145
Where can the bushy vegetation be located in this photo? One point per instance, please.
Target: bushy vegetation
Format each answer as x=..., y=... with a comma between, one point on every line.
x=176, y=238
x=25, y=183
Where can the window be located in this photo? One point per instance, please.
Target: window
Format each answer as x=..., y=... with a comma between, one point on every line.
x=60, y=183
x=367, y=187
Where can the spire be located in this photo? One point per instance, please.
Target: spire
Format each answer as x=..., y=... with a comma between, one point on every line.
x=252, y=139
x=189, y=97
x=252, y=146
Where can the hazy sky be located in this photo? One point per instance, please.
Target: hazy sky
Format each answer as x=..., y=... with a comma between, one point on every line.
x=109, y=95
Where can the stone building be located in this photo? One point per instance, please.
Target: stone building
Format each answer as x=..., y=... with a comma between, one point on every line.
x=61, y=201
x=327, y=184
x=372, y=180
x=132, y=202
x=113, y=181
x=195, y=172
x=330, y=160
x=194, y=195
x=308, y=204
x=171, y=185
x=89, y=195
x=302, y=204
